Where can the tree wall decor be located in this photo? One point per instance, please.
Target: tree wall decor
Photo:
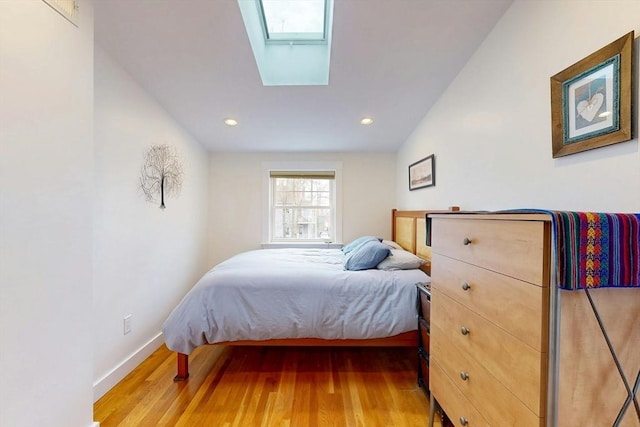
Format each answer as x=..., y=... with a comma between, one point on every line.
x=161, y=174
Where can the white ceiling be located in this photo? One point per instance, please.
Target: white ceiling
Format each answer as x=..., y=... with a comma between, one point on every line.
x=390, y=59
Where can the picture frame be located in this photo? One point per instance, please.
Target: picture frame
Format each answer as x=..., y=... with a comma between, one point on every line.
x=422, y=173
x=591, y=100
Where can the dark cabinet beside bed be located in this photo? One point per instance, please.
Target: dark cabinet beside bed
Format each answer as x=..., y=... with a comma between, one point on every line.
x=424, y=309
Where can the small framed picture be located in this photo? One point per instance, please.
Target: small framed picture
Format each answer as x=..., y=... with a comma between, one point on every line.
x=422, y=173
x=591, y=100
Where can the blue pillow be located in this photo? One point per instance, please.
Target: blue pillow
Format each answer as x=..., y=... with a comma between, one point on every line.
x=368, y=255
x=360, y=240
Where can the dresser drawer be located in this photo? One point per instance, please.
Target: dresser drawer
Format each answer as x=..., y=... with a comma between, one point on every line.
x=518, y=307
x=499, y=406
x=517, y=366
x=514, y=248
x=456, y=405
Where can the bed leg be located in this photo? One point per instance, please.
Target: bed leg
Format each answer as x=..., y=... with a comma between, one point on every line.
x=183, y=367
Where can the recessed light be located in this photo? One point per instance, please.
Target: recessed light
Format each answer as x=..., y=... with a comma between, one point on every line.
x=230, y=122
x=366, y=121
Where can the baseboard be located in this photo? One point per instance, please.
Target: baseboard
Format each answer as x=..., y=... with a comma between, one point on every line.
x=106, y=383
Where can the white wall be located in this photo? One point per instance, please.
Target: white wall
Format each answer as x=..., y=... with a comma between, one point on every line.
x=236, y=210
x=145, y=258
x=491, y=129
x=46, y=179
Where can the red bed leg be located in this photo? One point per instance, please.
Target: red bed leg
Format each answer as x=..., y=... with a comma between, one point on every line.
x=183, y=367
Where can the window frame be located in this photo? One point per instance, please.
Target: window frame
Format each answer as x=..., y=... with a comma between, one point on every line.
x=269, y=209
x=303, y=206
x=294, y=38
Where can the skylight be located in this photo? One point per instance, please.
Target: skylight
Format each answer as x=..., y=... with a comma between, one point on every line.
x=294, y=21
x=290, y=39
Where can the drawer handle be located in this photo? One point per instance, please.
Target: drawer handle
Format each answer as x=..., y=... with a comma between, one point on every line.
x=467, y=241
x=464, y=421
x=464, y=376
x=466, y=286
x=465, y=331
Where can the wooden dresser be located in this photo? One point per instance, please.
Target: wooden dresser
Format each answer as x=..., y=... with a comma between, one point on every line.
x=497, y=353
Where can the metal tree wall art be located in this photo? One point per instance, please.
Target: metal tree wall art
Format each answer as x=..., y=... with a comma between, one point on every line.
x=161, y=173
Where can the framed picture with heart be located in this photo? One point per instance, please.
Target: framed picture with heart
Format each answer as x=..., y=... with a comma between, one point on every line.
x=591, y=100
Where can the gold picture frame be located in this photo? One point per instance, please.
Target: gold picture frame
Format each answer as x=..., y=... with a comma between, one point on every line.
x=591, y=100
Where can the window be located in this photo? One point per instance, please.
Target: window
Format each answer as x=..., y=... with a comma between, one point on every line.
x=290, y=40
x=302, y=206
x=294, y=21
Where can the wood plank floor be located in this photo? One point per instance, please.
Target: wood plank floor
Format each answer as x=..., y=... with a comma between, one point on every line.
x=271, y=386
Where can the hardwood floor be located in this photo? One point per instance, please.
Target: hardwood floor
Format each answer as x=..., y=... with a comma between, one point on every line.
x=271, y=386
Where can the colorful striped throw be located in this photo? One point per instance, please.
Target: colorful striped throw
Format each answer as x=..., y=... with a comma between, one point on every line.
x=596, y=250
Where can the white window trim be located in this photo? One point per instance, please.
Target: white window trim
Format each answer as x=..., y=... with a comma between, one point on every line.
x=267, y=167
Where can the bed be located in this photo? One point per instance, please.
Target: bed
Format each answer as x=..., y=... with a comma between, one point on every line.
x=307, y=297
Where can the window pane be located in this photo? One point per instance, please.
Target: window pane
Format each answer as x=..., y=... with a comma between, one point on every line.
x=294, y=19
x=302, y=209
x=323, y=224
x=302, y=223
x=302, y=192
x=283, y=221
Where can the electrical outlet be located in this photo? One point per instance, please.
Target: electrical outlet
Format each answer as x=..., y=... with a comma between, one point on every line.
x=127, y=324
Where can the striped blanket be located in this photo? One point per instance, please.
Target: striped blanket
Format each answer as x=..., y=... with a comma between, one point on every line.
x=596, y=250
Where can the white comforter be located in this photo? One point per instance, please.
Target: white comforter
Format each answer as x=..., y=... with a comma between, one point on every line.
x=293, y=293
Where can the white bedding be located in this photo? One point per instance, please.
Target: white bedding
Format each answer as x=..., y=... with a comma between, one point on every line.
x=293, y=293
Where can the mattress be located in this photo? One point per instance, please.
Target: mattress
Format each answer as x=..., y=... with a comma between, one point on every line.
x=293, y=293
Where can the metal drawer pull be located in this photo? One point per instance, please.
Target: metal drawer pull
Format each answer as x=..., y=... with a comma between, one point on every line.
x=464, y=376
x=466, y=286
x=464, y=331
x=467, y=241
x=464, y=421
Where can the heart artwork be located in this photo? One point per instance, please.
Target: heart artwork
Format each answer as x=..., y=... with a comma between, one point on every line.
x=590, y=107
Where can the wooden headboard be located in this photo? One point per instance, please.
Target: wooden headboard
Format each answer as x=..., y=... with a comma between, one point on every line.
x=408, y=229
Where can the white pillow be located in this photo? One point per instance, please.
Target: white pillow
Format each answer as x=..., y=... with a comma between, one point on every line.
x=400, y=260
x=392, y=244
